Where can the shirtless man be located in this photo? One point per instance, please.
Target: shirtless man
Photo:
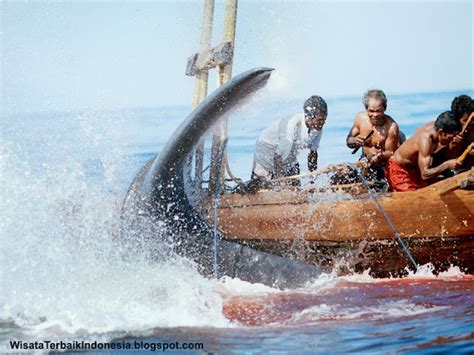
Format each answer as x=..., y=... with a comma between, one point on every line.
x=461, y=107
x=410, y=166
x=384, y=139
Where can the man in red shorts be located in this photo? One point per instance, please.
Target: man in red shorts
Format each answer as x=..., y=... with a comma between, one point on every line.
x=410, y=166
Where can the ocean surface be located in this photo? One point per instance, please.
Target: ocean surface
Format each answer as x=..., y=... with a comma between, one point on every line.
x=64, y=278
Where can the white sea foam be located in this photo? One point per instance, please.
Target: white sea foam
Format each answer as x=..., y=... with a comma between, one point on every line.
x=390, y=309
x=62, y=265
x=426, y=271
x=237, y=287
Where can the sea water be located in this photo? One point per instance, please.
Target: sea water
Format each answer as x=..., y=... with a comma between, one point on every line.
x=64, y=277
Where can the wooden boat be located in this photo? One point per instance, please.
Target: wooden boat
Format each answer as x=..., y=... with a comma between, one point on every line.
x=350, y=233
x=435, y=222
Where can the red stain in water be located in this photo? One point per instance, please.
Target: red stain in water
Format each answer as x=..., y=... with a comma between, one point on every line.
x=349, y=297
x=273, y=308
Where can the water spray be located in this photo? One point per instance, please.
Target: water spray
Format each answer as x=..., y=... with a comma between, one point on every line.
x=220, y=156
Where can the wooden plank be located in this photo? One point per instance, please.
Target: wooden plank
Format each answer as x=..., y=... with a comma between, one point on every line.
x=292, y=215
x=448, y=186
x=210, y=58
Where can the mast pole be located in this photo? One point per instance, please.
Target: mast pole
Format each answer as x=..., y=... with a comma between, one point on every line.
x=224, y=74
x=201, y=83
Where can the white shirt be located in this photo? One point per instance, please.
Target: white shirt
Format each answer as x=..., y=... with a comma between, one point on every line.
x=285, y=137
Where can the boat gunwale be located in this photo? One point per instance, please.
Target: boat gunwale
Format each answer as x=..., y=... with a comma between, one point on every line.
x=297, y=196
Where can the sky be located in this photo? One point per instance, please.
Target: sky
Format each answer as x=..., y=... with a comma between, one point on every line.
x=74, y=55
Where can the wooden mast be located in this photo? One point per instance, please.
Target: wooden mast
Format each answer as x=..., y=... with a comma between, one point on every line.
x=201, y=84
x=224, y=74
x=219, y=57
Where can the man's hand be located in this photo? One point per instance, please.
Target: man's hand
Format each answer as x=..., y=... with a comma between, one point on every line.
x=356, y=141
x=457, y=139
x=374, y=158
x=452, y=164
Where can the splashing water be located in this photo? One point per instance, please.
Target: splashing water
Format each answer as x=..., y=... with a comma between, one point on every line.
x=64, y=273
x=62, y=266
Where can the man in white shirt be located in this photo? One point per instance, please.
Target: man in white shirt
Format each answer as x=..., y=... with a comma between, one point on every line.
x=277, y=146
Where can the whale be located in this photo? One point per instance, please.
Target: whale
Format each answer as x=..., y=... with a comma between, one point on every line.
x=158, y=201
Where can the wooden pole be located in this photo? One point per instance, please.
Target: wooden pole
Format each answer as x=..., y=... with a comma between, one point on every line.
x=464, y=154
x=201, y=84
x=224, y=73
x=467, y=123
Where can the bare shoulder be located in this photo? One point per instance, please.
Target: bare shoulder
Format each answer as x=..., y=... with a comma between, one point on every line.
x=390, y=120
x=361, y=118
x=392, y=124
x=426, y=127
x=425, y=139
x=362, y=115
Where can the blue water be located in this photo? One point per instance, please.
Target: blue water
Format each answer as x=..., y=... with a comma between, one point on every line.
x=63, y=177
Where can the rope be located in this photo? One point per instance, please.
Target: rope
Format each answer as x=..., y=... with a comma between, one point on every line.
x=385, y=215
x=220, y=156
x=329, y=169
x=232, y=176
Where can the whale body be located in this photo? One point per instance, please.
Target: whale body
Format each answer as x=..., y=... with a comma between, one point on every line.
x=157, y=197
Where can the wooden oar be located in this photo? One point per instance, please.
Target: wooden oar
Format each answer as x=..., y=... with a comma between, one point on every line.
x=467, y=123
x=464, y=154
x=356, y=149
x=460, y=133
x=454, y=183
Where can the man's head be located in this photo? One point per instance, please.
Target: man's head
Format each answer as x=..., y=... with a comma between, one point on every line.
x=375, y=102
x=447, y=126
x=315, y=112
x=462, y=106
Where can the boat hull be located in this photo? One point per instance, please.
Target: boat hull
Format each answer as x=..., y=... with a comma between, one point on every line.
x=436, y=223
x=383, y=258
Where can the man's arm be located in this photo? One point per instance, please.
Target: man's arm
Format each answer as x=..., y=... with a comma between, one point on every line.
x=312, y=160
x=353, y=138
x=424, y=161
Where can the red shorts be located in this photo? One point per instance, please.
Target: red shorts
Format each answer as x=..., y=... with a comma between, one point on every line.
x=401, y=178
